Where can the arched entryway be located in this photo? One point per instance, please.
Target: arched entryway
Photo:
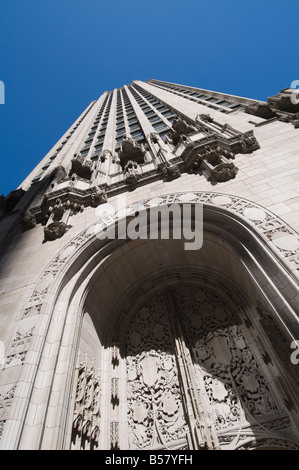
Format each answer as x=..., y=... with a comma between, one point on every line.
x=234, y=333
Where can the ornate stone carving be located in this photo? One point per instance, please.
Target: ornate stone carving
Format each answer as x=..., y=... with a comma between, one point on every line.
x=18, y=348
x=170, y=170
x=206, y=117
x=6, y=399
x=155, y=414
x=260, y=109
x=279, y=106
x=264, y=353
x=214, y=163
x=20, y=344
x=105, y=154
x=55, y=230
x=32, y=311
x=115, y=355
x=28, y=221
x=98, y=197
x=219, y=145
x=58, y=174
x=57, y=210
x=180, y=130
x=231, y=370
x=248, y=142
x=223, y=172
x=236, y=205
x=55, y=203
x=262, y=221
x=234, y=393
x=282, y=102
x=86, y=420
x=131, y=173
x=114, y=391
x=215, y=155
x=154, y=137
x=281, y=346
x=82, y=167
x=16, y=359
x=114, y=435
x=131, y=151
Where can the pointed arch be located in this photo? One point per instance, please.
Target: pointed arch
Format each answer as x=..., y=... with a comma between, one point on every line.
x=245, y=247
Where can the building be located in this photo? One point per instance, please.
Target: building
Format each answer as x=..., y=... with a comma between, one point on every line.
x=114, y=336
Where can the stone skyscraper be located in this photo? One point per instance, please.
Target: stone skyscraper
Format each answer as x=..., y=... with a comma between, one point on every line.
x=115, y=339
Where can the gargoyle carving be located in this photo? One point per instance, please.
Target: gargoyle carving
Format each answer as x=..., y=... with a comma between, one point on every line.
x=131, y=151
x=170, y=170
x=131, y=172
x=98, y=196
x=248, y=143
x=180, y=130
x=280, y=106
x=223, y=172
x=55, y=230
x=260, y=109
x=28, y=221
x=82, y=167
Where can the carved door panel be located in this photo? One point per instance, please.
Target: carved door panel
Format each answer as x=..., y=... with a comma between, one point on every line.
x=156, y=417
x=192, y=379
x=238, y=395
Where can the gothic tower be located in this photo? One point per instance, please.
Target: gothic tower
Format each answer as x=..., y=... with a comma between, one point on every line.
x=121, y=331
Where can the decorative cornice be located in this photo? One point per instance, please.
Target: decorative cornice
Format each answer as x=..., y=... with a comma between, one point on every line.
x=279, y=106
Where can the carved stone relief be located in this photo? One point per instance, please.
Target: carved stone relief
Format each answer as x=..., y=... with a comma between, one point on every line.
x=279, y=342
x=180, y=129
x=155, y=414
x=57, y=206
x=55, y=230
x=28, y=221
x=263, y=221
x=81, y=167
x=131, y=173
x=231, y=388
x=170, y=170
x=131, y=151
x=279, y=106
x=231, y=373
x=86, y=420
x=6, y=398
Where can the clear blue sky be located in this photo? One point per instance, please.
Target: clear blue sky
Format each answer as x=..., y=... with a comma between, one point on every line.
x=59, y=55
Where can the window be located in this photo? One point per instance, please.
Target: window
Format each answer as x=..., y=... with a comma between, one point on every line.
x=137, y=135
x=121, y=131
x=135, y=126
x=160, y=125
x=154, y=118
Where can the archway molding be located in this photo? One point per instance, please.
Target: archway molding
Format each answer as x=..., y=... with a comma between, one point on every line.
x=59, y=299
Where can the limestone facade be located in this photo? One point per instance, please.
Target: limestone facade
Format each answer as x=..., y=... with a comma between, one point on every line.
x=140, y=343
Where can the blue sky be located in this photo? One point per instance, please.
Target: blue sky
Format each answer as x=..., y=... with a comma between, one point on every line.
x=58, y=56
